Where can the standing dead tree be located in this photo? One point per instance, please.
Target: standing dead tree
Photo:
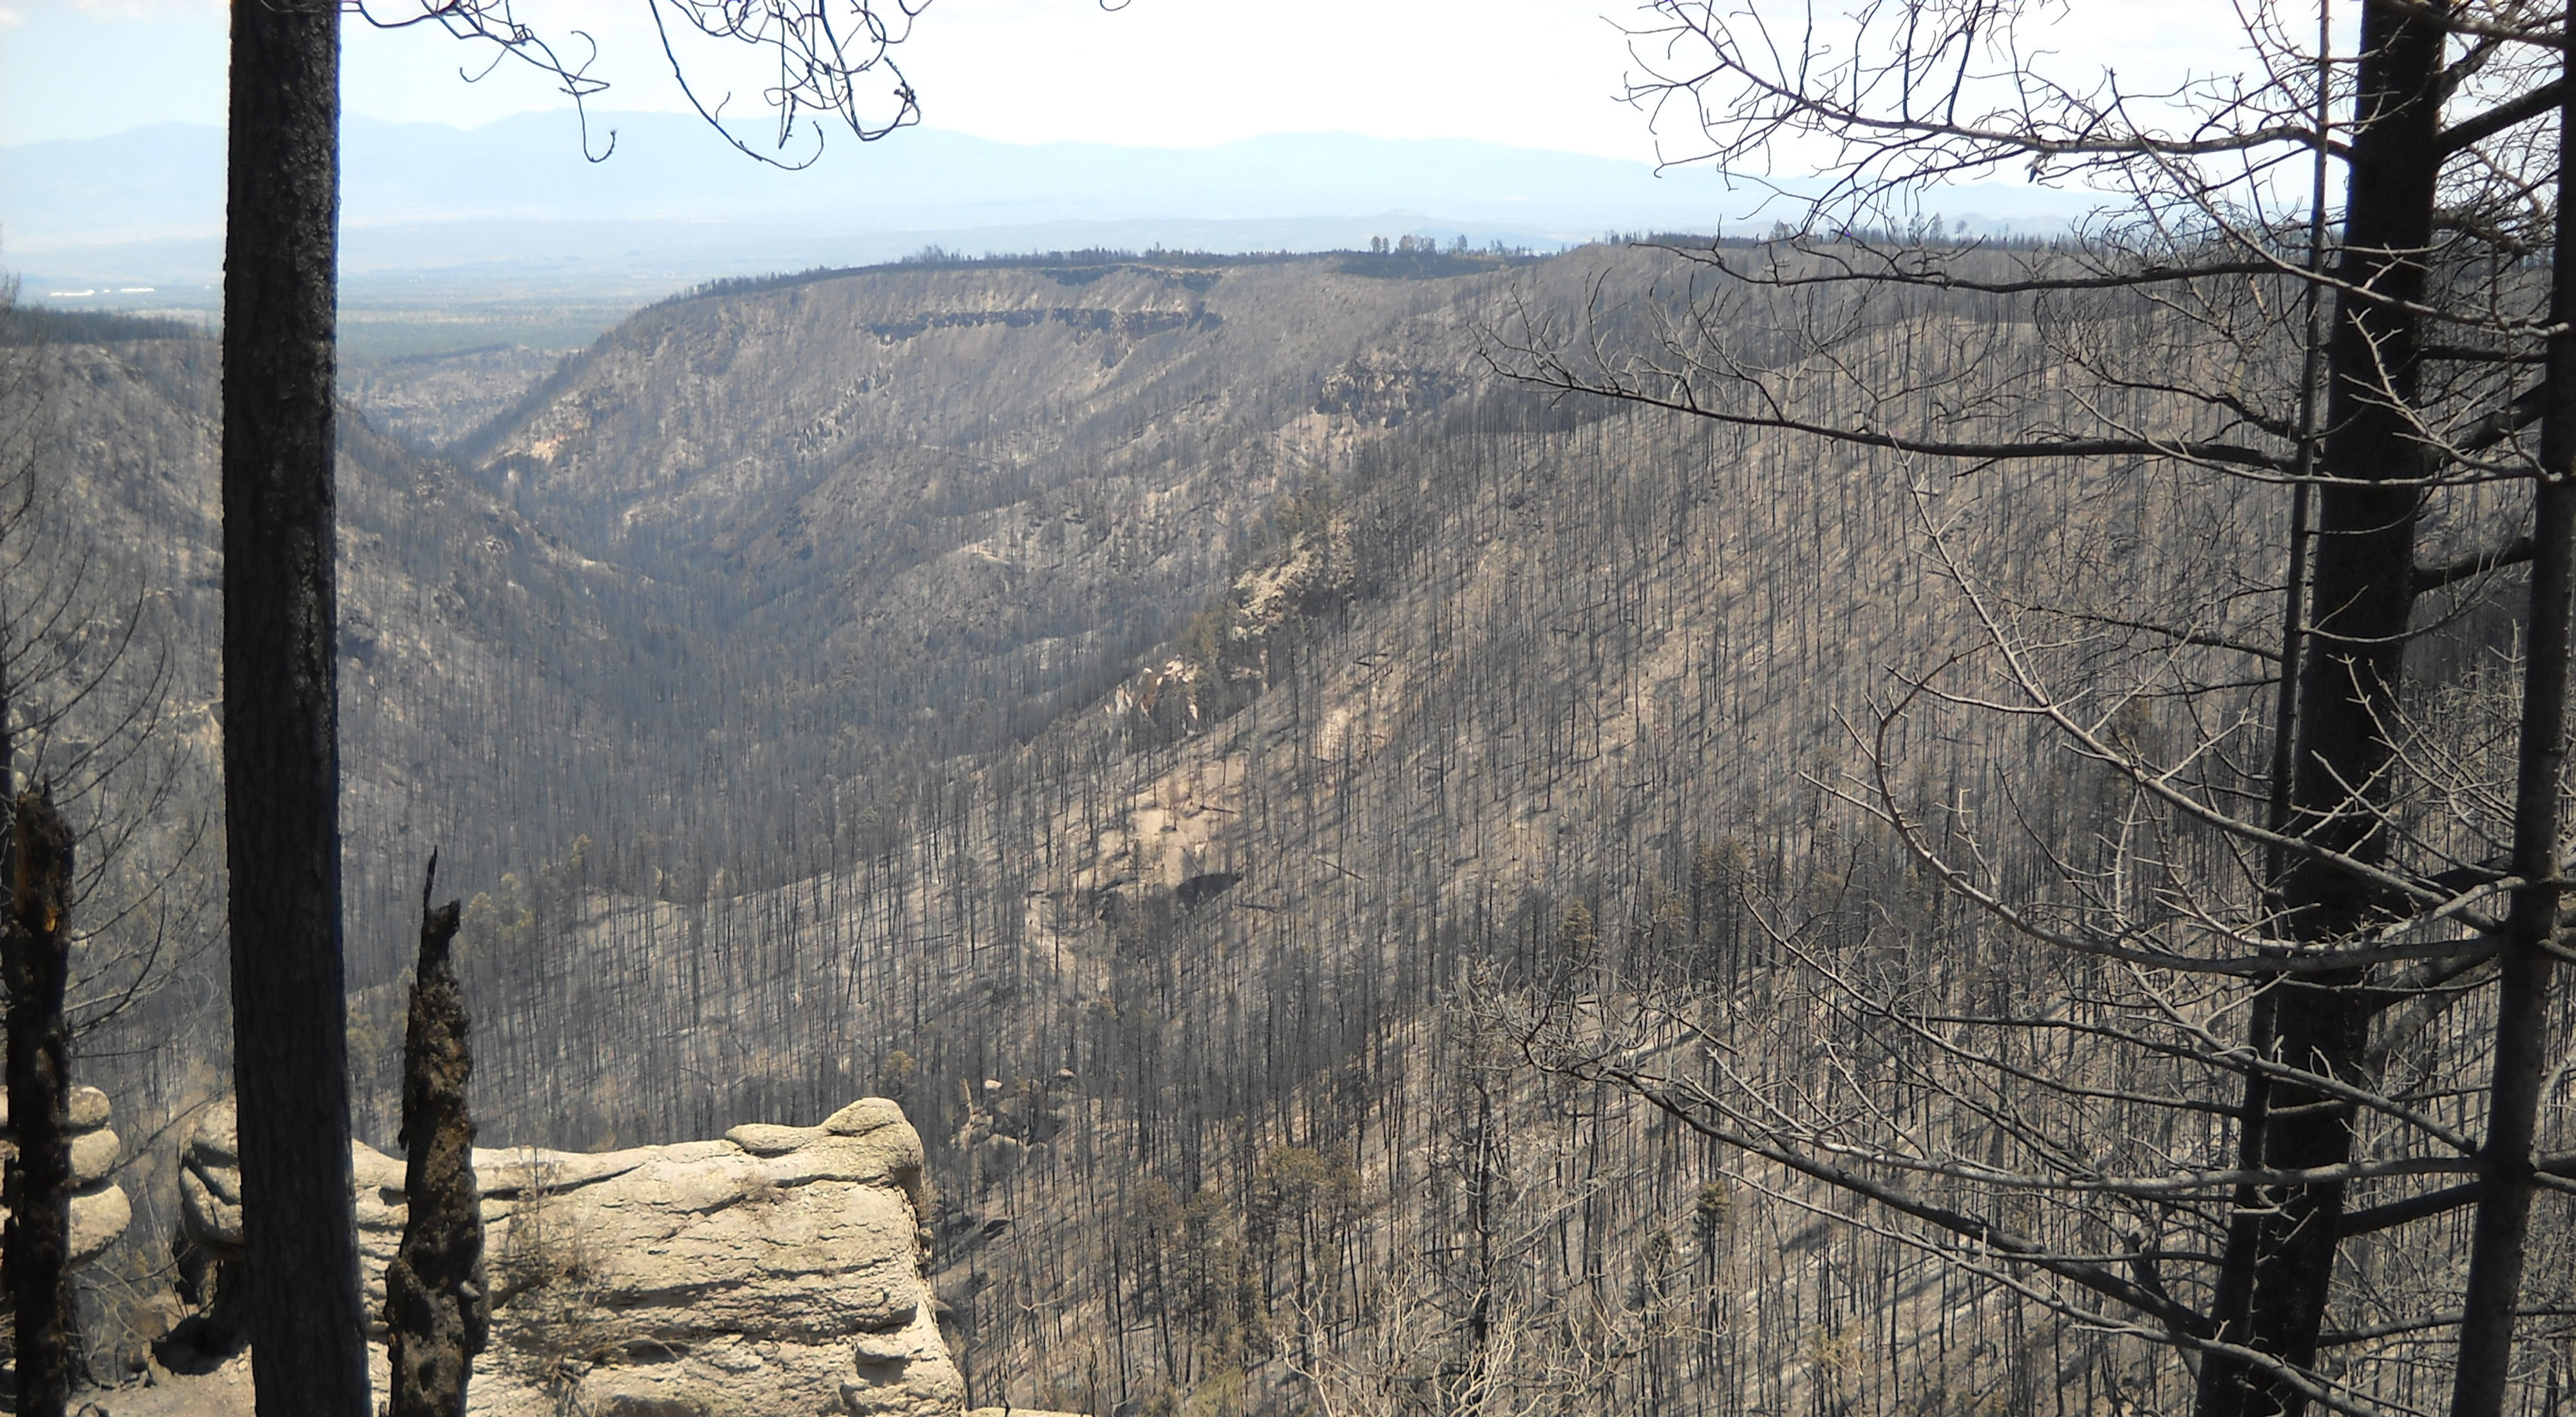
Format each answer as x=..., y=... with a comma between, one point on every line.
x=2276, y=985
x=281, y=736
x=89, y=753
x=35, y=962
x=438, y=1306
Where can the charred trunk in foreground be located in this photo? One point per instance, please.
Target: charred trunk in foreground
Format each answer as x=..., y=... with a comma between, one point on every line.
x=2347, y=705
x=281, y=738
x=437, y=1305
x=35, y=950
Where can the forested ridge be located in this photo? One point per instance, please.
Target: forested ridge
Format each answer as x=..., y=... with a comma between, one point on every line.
x=1160, y=720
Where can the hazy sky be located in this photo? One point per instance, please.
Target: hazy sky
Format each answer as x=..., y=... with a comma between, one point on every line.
x=1165, y=73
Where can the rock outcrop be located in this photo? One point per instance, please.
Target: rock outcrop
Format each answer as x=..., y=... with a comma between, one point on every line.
x=777, y=1270
x=100, y=1210
x=210, y=1215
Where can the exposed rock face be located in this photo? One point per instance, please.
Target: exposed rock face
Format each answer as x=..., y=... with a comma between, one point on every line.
x=778, y=1270
x=210, y=1185
x=100, y=1210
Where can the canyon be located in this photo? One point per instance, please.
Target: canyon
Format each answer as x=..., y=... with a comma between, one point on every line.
x=1153, y=719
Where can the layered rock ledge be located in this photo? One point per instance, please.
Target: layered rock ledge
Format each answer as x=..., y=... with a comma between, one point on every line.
x=776, y=1270
x=100, y=1209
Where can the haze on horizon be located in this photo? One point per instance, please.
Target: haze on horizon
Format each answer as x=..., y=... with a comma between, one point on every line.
x=506, y=210
x=1151, y=73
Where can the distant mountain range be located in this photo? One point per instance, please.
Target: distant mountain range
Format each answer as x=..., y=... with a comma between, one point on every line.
x=516, y=204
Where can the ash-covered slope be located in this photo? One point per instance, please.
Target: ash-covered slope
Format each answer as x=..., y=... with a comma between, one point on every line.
x=722, y=603
x=1124, y=709
x=1383, y=678
x=929, y=511
x=468, y=637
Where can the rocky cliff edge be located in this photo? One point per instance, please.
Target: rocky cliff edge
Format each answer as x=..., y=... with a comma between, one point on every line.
x=776, y=1270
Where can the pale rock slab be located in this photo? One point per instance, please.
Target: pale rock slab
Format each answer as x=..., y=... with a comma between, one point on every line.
x=100, y=1209
x=777, y=1270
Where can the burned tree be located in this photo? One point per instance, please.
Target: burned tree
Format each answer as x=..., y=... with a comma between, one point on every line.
x=281, y=702
x=281, y=739
x=35, y=962
x=437, y=1304
x=2279, y=978
x=87, y=754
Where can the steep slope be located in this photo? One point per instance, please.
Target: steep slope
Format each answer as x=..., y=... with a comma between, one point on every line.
x=929, y=511
x=1152, y=716
x=467, y=638
x=1508, y=687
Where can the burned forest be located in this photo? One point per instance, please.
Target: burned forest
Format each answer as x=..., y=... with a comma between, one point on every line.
x=1856, y=818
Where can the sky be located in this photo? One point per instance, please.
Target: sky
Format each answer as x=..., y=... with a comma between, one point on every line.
x=1156, y=73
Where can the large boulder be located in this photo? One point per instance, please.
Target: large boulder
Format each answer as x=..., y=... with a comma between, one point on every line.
x=100, y=1210
x=776, y=1270
x=210, y=1185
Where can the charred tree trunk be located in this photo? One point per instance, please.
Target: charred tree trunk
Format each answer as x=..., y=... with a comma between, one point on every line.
x=2525, y=967
x=2347, y=706
x=436, y=1306
x=35, y=951
x=281, y=746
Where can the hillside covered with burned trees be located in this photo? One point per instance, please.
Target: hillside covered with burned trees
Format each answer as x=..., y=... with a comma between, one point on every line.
x=1225, y=741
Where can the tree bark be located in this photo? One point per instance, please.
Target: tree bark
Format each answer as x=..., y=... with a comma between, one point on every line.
x=2522, y=988
x=437, y=1313
x=2363, y=596
x=281, y=750
x=35, y=952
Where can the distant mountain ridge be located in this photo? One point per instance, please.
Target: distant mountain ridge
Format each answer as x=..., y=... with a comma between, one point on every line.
x=520, y=200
